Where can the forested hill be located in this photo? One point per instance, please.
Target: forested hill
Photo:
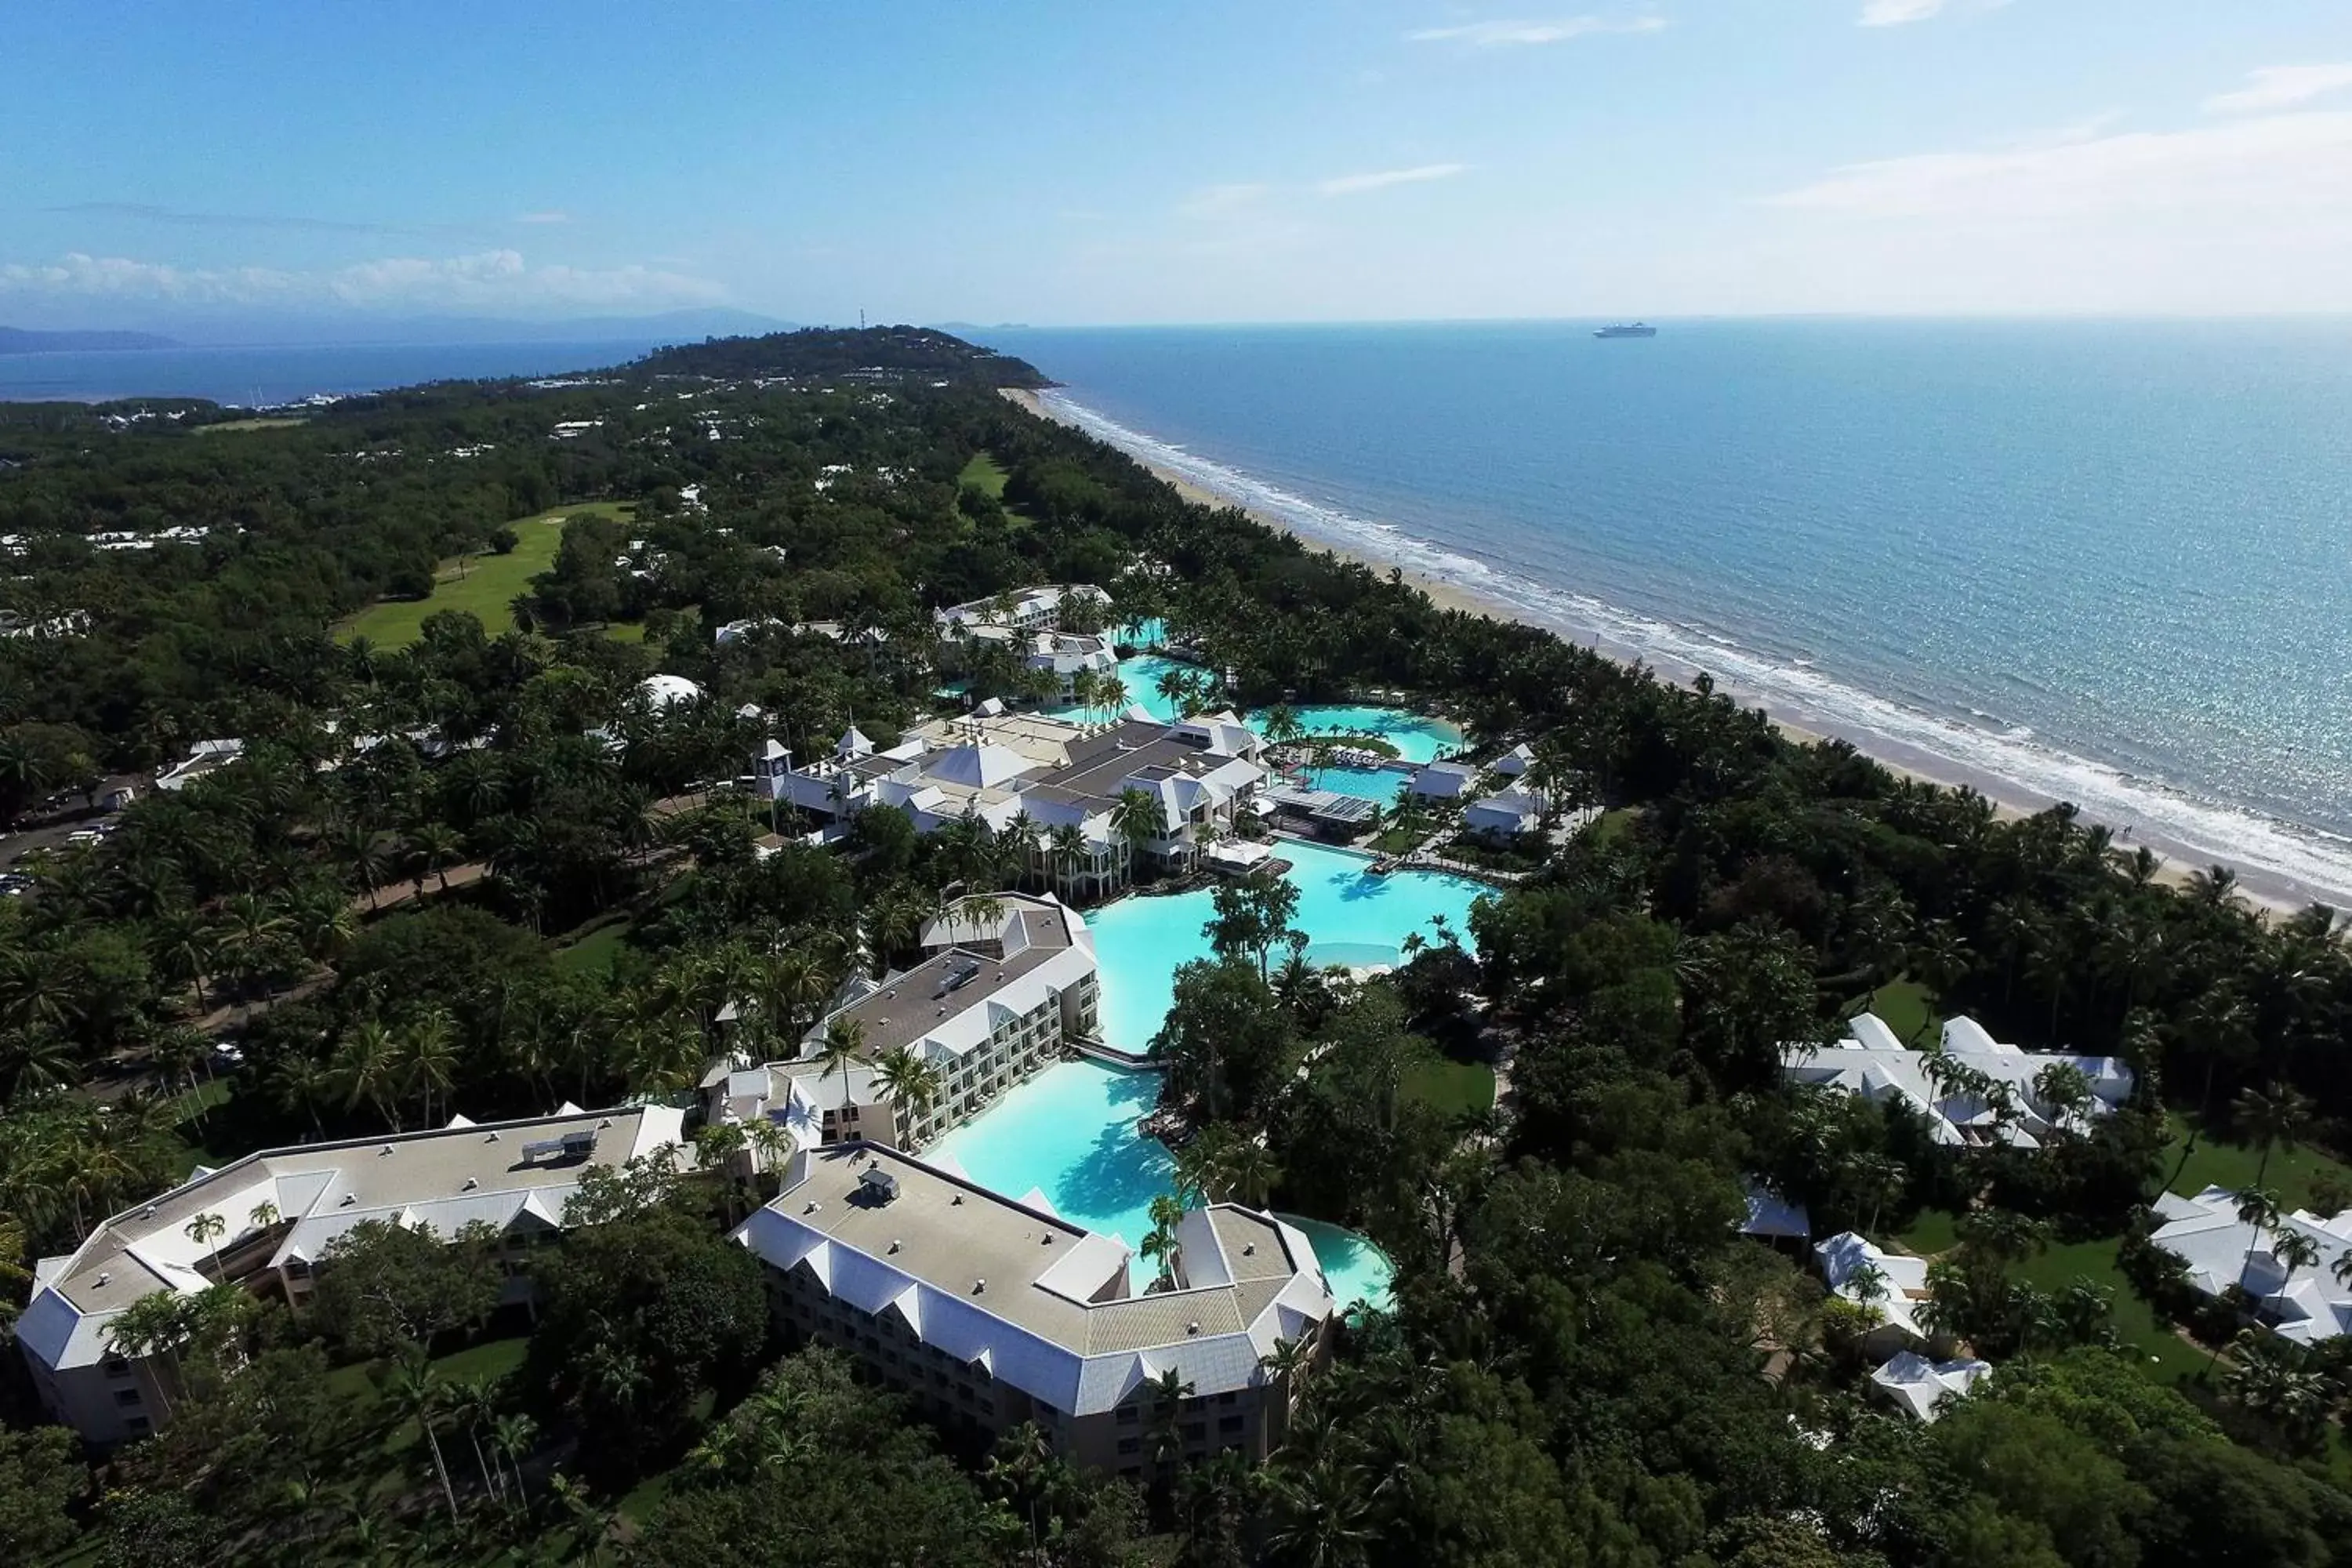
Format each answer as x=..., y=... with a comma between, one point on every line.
x=838, y=351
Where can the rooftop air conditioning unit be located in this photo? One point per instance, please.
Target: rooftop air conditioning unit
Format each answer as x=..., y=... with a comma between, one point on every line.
x=878, y=1183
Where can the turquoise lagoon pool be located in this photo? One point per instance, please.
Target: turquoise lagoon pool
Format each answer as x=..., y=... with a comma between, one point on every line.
x=1417, y=738
x=1350, y=917
x=1070, y=1133
x=1365, y=784
x=1356, y=1270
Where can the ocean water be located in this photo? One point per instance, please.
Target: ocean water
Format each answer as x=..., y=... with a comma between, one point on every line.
x=254, y=377
x=2102, y=561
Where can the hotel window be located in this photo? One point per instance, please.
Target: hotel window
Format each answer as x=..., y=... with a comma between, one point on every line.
x=128, y=1399
x=1196, y=1431
x=1131, y=1445
x=1126, y=1416
x=1228, y=1426
x=137, y=1425
x=115, y=1366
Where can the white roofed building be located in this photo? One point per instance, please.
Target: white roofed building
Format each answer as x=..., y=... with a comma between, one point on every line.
x=1037, y=608
x=1000, y=993
x=667, y=691
x=1919, y=1387
x=989, y=1312
x=1961, y=1086
x=281, y=1208
x=1893, y=1283
x=2304, y=1304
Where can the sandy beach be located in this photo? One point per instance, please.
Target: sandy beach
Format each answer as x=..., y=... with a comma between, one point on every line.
x=2009, y=803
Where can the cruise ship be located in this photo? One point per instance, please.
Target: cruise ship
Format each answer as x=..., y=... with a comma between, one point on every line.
x=1635, y=329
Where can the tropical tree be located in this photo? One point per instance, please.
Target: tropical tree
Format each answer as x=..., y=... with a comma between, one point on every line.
x=907, y=1082
x=1161, y=1245
x=2273, y=1117
x=206, y=1230
x=411, y=1388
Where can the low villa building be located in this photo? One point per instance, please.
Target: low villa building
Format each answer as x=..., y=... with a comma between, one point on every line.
x=1032, y=609
x=1949, y=1086
x=988, y=1312
x=1064, y=780
x=1007, y=984
x=1444, y=780
x=1919, y=1387
x=1065, y=656
x=205, y=757
x=1510, y=815
x=2305, y=1304
x=1857, y=1270
x=278, y=1210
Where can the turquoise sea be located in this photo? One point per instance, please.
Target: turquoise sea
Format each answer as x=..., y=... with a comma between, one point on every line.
x=2103, y=562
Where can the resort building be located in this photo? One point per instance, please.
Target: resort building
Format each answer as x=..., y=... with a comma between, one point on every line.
x=2304, y=1304
x=1507, y=816
x=1918, y=1387
x=203, y=757
x=265, y=1223
x=1443, y=781
x=1020, y=609
x=1894, y=1284
x=1065, y=656
x=988, y=1312
x=1200, y=775
x=1974, y=1090
x=1007, y=984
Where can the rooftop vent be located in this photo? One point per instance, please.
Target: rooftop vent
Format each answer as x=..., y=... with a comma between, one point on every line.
x=1191, y=1328
x=147, y=1213
x=349, y=1199
x=894, y=1245
x=470, y=1184
x=1249, y=1249
x=104, y=1278
x=956, y=1202
x=979, y=1285
x=383, y=1151
x=492, y=1139
x=812, y=1206
x=1049, y=1238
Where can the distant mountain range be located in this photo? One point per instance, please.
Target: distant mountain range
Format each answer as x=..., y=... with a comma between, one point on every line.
x=17, y=341
x=235, y=329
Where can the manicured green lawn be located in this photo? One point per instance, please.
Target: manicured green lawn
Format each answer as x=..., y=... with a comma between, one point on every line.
x=485, y=584
x=2163, y=1354
x=2220, y=1163
x=229, y=426
x=1612, y=824
x=1397, y=840
x=1451, y=1087
x=1905, y=1007
x=625, y=631
x=594, y=952
x=207, y=1097
x=984, y=474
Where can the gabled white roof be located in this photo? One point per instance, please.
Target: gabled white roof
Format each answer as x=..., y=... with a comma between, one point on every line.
x=1919, y=1387
x=979, y=765
x=2306, y=1306
x=1842, y=1259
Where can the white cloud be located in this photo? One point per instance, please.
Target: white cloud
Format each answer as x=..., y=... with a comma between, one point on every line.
x=2281, y=87
x=1351, y=184
x=493, y=279
x=1504, y=34
x=1894, y=13
x=2274, y=162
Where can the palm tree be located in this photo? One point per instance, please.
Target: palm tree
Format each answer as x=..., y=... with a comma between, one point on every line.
x=2258, y=1207
x=1169, y=1392
x=2294, y=1251
x=263, y=1214
x=427, y=1055
x=2274, y=1118
x=365, y=1067
x=437, y=846
x=1166, y=1211
x=180, y=946
x=206, y=1230
x=1135, y=818
x=842, y=1047
x=413, y=1392
x=908, y=1083
x=1323, y=1518
x=512, y=1437
x=1248, y=1171
x=1069, y=845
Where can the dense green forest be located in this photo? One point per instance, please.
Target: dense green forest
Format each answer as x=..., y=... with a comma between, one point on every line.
x=481, y=871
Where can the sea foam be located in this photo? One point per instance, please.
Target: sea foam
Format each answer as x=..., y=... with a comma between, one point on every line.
x=2285, y=860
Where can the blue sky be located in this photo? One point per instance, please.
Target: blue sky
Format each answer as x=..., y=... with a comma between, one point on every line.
x=1279, y=160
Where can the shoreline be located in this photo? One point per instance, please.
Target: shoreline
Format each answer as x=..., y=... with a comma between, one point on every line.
x=2011, y=802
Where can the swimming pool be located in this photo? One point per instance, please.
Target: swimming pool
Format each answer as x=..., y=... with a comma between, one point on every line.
x=1365, y=784
x=1357, y=1270
x=1349, y=918
x=1417, y=738
x=1139, y=673
x=1070, y=1133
